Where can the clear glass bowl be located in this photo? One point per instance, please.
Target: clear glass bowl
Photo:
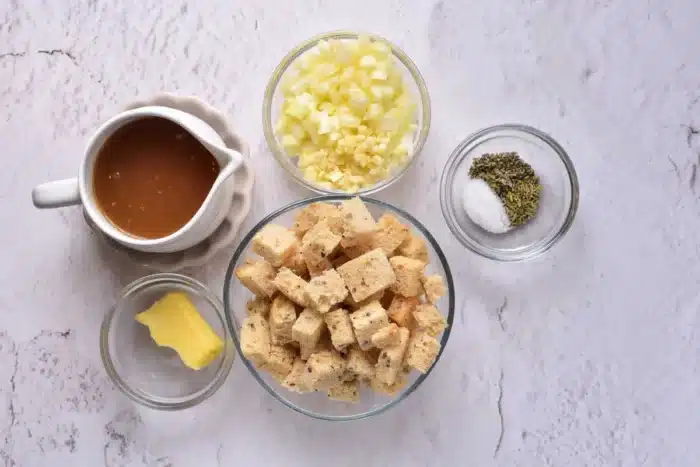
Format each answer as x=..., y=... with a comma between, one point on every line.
x=558, y=202
x=155, y=376
x=272, y=104
x=318, y=405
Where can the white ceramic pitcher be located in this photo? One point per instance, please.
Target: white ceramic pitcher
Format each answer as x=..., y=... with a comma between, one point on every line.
x=79, y=190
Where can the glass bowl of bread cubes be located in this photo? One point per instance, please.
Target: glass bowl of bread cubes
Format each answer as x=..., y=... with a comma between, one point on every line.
x=340, y=306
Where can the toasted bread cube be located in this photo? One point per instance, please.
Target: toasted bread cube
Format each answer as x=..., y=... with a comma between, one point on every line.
x=340, y=328
x=422, y=351
x=255, y=339
x=318, y=244
x=409, y=273
x=390, y=234
x=386, y=337
x=414, y=247
x=315, y=258
x=366, y=321
x=429, y=319
x=291, y=285
x=401, y=310
x=312, y=214
x=388, y=389
x=358, y=224
x=295, y=380
x=325, y=291
x=321, y=235
x=283, y=315
x=355, y=251
x=367, y=274
x=434, y=287
x=258, y=306
x=275, y=244
x=257, y=277
x=360, y=364
x=346, y=392
x=280, y=361
x=391, y=359
x=324, y=369
x=307, y=331
x=355, y=305
x=296, y=264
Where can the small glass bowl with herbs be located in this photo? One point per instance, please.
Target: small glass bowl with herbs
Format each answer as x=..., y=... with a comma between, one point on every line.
x=509, y=192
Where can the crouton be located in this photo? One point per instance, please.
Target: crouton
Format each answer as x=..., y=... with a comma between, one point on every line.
x=312, y=214
x=275, y=244
x=324, y=370
x=391, y=359
x=434, y=287
x=325, y=291
x=388, y=389
x=291, y=285
x=295, y=379
x=408, y=272
x=429, y=319
x=360, y=364
x=355, y=305
x=258, y=306
x=307, y=331
x=366, y=321
x=280, y=360
x=367, y=274
x=340, y=328
x=421, y=352
x=401, y=310
x=296, y=264
x=414, y=247
x=358, y=224
x=283, y=315
x=345, y=391
x=390, y=234
x=257, y=277
x=388, y=336
x=318, y=245
x=255, y=339
x=321, y=235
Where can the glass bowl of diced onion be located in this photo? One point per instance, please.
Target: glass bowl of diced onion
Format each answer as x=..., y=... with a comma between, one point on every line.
x=318, y=404
x=346, y=112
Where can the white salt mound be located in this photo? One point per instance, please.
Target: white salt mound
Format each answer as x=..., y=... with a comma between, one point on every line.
x=484, y=207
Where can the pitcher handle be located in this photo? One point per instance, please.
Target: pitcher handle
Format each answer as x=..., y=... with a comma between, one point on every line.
x=56, y=194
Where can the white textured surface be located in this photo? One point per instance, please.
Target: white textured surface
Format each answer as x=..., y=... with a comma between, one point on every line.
x=592, y=353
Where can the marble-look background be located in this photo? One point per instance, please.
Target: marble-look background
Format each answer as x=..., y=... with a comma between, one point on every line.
x=589, y=356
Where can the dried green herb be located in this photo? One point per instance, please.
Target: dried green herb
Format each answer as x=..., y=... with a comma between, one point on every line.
x=513, y=180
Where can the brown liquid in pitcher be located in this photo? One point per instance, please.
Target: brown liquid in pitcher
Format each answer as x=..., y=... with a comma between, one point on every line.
x=151, y=176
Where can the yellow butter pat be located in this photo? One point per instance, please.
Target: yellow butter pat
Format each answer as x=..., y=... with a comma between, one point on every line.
x=174, y=322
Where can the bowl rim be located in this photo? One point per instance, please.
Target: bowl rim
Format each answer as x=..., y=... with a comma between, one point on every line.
x=241, y=249
x=279, y=153
x=463, y=149
x=228, y=355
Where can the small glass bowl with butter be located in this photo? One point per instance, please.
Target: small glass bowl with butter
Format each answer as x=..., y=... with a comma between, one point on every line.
x=557, y=204
x=368, y=110
x=156, y=376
